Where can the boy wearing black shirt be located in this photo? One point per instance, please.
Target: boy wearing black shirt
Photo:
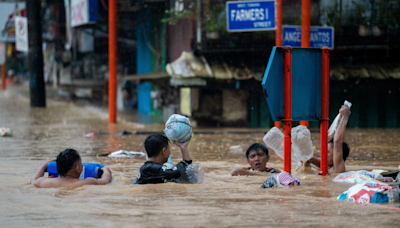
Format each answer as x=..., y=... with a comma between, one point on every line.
x=158, y=151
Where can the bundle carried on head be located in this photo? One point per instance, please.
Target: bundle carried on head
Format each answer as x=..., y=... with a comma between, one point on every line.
x=178, y=128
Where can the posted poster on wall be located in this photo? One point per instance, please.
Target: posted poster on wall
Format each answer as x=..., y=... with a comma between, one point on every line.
x=2, y=53
x=21, y=34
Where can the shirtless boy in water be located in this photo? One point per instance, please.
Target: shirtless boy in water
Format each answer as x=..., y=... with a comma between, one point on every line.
x=69, y=168
x=338, y=150
x=257, y=157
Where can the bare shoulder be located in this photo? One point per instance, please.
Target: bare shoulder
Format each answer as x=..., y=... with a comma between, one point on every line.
x=44, y=182
x=235, y=172
x=244, y=172
x=86, y=181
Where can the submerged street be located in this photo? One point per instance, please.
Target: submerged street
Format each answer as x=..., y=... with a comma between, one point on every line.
x=220, y=201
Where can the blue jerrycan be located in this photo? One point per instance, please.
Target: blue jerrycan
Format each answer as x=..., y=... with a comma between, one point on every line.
x=89, y=170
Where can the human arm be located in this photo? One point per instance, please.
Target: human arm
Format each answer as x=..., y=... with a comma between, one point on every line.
x=38, y=176
x=105, y=178
x=315, y=161
x=184, y=149
x=338, y=139
x=244, y=172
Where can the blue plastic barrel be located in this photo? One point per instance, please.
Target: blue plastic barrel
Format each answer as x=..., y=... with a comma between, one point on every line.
x=89, y=170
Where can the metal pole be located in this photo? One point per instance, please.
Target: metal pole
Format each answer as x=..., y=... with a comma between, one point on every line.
x=112, y=61
x=305, y=23
x=35, y=65
x=198, y=29
x=305, y=33
x=324, y=110
x=287, y=121
x=278, y=33
x=3, y=77
x=278, y=36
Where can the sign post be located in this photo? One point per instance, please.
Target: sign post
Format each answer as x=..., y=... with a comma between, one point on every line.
x=278, y=37
x=296, y=87
x=250, y=16
x=112, y=61
x=324, y=110
x=287, y=121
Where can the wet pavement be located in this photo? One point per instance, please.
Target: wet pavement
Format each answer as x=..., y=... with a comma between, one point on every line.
x=221, y=201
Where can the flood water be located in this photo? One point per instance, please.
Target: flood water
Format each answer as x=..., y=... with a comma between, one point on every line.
x=221, y=201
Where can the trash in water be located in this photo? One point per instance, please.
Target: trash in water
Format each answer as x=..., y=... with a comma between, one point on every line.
x=302, y=147
x=335, y=123
x=238, y=149
x=362, y=177
x=169, y=164
x=178, y=128
x=371, y=193
x=194, y=175
x=120, y=133
x=280, y=179
x=5, y=131
x=126, y=154
x=88, y=135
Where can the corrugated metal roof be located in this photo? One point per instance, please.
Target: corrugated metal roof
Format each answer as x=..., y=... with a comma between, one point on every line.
x=188, y=65
x=378, y=72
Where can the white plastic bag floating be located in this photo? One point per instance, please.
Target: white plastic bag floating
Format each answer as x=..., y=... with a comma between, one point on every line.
x=169, y=164
x=362, y=177
x=301, y=143
x=302, y=147
x=335, y=123
x=126, y=154
x=194, y=174
x=178, y=128
x=5, y=131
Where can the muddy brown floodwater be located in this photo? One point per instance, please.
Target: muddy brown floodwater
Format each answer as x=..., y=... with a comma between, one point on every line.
x=221, y=201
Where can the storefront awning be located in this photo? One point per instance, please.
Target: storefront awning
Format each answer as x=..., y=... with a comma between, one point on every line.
x=189, y=66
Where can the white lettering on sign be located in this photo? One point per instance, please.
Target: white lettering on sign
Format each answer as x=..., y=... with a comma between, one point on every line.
x=263, y=24
x=292, y=36
x=320, y=37
x=79, y=12
x=255, y=14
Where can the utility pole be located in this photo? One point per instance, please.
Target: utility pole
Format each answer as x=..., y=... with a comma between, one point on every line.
x=112, y=61
x=278, y=36
x=305, y=34
x=35, y=66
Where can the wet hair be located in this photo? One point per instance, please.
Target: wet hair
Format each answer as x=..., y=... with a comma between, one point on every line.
x=345, y=148
x=66, y=160
x=154, y=145
x=255, y=147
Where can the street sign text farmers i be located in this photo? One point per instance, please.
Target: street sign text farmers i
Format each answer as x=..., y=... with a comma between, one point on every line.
x=242, y=16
